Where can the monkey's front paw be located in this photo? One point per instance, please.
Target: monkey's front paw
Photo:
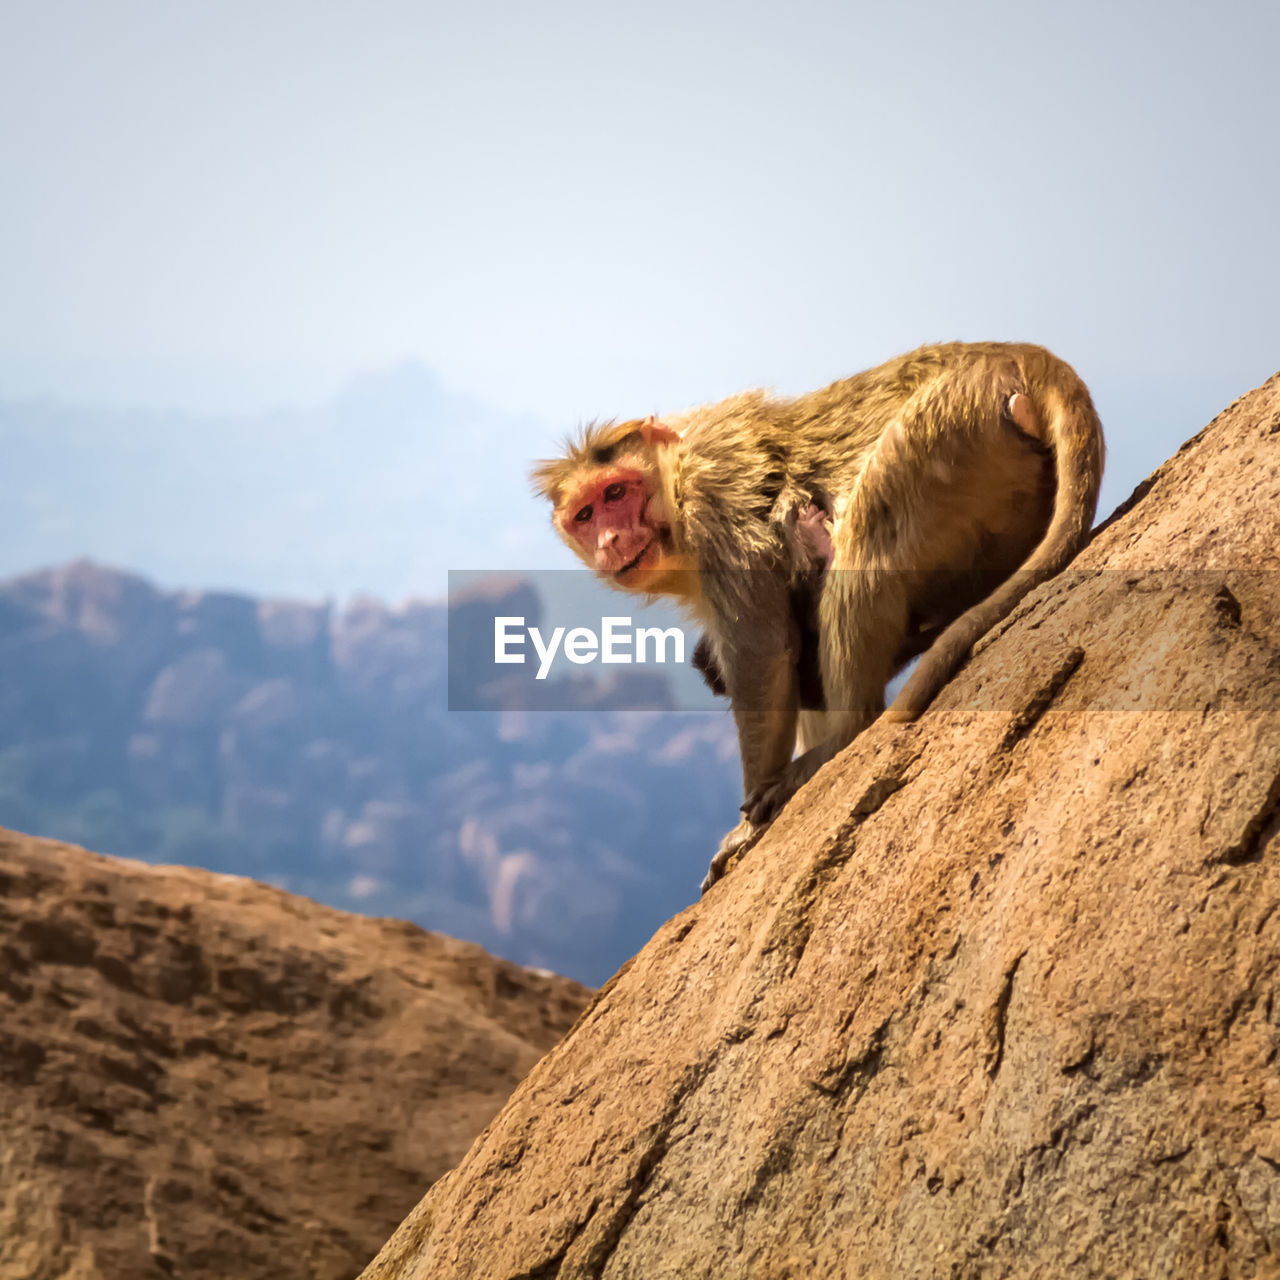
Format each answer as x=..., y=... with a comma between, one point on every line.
x=770, y=798
x=741, y=838
x=766, y=802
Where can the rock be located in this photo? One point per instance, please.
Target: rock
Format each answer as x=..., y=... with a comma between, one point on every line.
x=203, y=1077
x=313, y=746
x=996, y=996
x=189, y=692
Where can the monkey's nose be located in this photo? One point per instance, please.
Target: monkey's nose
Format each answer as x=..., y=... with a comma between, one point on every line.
x=607, y=537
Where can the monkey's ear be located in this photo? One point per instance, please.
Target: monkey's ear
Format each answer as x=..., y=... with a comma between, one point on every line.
x=655, y=432
x=603, y=444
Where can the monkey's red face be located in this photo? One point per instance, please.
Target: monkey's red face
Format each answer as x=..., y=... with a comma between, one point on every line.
x=607, y=520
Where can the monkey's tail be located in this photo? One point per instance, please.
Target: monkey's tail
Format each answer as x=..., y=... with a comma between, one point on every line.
x=1069, y=425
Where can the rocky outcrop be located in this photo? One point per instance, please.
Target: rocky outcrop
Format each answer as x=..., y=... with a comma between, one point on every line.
x=314, y=747
x=996, y=996
x=203, y=1077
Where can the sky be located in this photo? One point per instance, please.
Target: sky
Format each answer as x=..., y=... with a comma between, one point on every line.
x=562, y=211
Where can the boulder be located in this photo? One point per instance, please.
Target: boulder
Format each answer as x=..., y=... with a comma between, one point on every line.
x=997, y=994
x=203, y=1077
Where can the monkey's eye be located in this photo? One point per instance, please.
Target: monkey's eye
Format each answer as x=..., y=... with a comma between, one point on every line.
x=614, y=491
x=583, y=516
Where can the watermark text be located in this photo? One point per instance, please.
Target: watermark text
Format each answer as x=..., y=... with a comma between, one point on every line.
x=617, y=641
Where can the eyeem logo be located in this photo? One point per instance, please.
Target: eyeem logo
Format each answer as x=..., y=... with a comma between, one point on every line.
x=617, y=641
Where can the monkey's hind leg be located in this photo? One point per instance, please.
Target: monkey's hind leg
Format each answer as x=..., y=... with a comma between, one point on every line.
x=915, y=508
x=945, y=656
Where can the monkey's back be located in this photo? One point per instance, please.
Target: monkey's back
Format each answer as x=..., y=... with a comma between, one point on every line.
x=745, y=458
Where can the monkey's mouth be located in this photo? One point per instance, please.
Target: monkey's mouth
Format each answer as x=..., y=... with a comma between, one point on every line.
x=634, y=563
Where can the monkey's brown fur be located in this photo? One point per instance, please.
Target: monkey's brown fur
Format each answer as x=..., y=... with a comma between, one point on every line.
x=958, y=477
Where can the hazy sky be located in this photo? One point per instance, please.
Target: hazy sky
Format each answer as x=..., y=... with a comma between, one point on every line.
x=582, y=209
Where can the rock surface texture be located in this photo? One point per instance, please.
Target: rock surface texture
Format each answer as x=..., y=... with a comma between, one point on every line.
x=996, y=996
x=202, y=1077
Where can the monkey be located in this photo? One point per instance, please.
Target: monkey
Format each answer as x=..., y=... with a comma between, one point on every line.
x=808, y=530
x=809, y=527
x=808, y=533
x=949, y=482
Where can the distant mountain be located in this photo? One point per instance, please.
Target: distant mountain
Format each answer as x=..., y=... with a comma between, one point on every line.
x=310, y=746
x=383, y=490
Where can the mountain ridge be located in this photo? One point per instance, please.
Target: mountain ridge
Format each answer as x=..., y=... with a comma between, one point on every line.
x=311, y=745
